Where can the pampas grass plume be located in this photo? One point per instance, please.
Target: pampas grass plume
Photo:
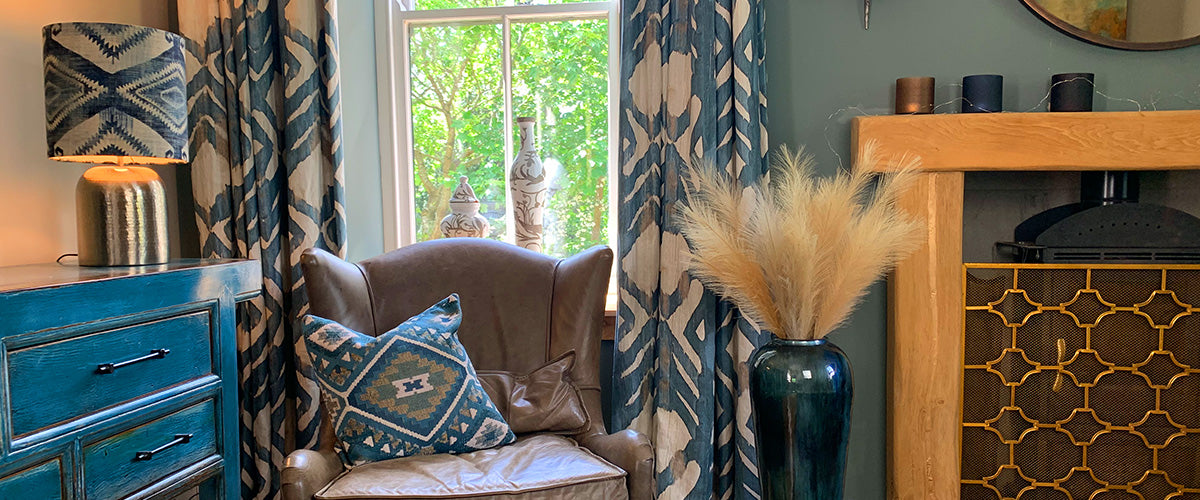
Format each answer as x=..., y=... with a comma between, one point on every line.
x=797, y=257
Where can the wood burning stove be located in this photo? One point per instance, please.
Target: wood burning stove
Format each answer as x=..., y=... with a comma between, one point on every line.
x=1107, y=225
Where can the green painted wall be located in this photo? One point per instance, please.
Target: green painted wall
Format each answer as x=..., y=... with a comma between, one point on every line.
x=819, y=61
x=360, y=129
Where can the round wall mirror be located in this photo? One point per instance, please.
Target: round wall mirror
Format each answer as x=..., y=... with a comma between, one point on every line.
x=1124, y=24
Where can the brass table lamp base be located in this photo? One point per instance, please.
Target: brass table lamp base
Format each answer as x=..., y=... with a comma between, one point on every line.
x=121, y=216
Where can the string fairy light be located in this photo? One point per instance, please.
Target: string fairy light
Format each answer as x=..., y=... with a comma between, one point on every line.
x=834, y=118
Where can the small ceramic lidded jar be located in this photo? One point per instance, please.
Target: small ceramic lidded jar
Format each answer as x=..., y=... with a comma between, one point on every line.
x=464, y=218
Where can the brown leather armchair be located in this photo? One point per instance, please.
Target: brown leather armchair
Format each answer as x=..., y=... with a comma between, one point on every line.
x=521, y=309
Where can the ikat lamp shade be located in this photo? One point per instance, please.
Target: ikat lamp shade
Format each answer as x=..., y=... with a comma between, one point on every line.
x=116, y=95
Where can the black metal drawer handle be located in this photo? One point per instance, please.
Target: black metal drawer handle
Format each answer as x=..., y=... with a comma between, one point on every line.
x=147, y=455
x=106, y=368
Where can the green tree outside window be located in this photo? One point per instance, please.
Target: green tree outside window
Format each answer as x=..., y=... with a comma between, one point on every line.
x=559, y=76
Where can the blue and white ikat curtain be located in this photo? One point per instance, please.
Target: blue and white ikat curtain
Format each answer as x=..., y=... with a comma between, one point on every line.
x=693, y=87
x=267, y=177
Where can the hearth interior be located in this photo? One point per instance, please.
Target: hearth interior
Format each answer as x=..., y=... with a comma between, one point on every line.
x=1120, y=212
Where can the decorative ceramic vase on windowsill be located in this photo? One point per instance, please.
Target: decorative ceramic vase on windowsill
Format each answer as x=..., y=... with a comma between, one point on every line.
x=527, y=182
x=464, y=218
x=796, y=258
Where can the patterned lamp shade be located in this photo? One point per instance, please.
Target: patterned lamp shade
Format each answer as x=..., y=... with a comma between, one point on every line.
x=114, y=94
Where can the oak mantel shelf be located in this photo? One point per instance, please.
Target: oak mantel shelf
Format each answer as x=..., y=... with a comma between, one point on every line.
x=925, y=300
x=1121, y=140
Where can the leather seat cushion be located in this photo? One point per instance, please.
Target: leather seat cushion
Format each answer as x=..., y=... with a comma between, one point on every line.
x=541, y=466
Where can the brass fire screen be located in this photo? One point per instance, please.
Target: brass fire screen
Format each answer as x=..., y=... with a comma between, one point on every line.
x=1081, y=382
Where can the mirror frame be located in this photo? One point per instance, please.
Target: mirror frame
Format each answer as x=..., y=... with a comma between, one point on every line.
x=1070, y=29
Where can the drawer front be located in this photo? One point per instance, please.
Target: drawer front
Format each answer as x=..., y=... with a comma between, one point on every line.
x=118, y=466
x=56, y=382
x=40, y=481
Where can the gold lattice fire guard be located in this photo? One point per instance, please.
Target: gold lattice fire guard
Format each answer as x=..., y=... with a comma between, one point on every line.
x=1081, y=382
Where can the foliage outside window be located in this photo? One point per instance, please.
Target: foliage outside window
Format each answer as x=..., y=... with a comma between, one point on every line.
x=559, y=74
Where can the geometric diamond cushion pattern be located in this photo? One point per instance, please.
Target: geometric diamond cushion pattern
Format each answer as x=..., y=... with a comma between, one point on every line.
x=410, y=391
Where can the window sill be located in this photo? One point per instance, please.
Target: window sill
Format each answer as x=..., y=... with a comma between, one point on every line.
x=610, y=317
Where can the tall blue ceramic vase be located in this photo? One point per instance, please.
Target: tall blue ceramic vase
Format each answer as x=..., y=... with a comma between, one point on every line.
x=801, y=392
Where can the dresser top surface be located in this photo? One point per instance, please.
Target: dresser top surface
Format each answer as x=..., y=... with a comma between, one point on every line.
x=32, y=276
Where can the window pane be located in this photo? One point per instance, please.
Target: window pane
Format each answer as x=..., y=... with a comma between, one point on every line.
x=560, y=77
x=457, y=121
x=458, y=4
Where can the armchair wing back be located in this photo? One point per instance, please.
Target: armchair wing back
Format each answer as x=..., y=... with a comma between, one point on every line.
x=521, y=309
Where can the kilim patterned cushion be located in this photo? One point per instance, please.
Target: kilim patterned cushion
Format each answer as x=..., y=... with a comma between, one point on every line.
x=410, y=391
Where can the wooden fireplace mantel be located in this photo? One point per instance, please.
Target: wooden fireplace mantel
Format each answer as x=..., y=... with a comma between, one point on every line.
x=1133, y=140
x=925, y=318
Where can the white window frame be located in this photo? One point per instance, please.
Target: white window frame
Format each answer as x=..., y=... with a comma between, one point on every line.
x=393, y=18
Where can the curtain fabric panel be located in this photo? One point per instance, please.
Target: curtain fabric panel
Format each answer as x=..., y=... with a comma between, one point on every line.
x=267, y=177
x=693, y=88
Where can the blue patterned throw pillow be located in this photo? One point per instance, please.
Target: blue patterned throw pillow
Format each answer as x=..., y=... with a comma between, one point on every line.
x=410, y=391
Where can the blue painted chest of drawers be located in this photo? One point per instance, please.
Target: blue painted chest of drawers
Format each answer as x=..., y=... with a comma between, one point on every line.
x=120, y=382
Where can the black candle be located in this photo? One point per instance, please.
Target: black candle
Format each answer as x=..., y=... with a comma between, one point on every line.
x=1072, y=91
x=983, y=94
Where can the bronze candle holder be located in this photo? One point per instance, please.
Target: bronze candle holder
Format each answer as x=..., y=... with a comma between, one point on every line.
x=914, y=95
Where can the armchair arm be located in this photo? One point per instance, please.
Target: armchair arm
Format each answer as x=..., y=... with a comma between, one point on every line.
x=305, y=472
x=631, y=451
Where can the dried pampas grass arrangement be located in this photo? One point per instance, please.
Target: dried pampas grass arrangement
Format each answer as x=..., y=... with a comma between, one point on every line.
x=797, y=257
